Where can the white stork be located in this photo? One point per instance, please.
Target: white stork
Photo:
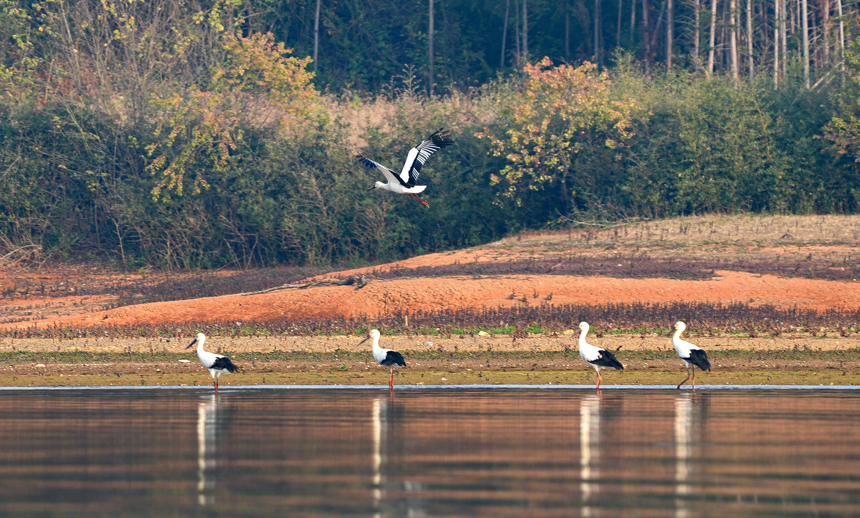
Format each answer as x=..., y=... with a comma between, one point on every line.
x=216, y=363
x=385, y=357
x=692, y=355
x=404, y=183
x=594, y=356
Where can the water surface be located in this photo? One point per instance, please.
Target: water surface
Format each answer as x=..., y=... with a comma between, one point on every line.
x=435, y=452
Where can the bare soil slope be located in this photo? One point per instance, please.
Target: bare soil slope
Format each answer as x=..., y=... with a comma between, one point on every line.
x=819, y=244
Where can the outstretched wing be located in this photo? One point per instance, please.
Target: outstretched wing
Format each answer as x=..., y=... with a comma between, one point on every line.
x=418, y=155
x=390, y=176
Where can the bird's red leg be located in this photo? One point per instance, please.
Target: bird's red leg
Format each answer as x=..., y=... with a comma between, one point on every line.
x=688, y=377
x=419, y=200
x=391, y=379
x=694, y=378
x=599, y=379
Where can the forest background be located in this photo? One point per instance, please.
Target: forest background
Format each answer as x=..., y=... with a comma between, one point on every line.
x=187, y=135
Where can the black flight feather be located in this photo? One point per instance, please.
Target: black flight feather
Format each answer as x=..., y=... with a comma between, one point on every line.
x=607, y=359
x=428, y=146
x=393, y=358
x=699, y=358
x=224, y=364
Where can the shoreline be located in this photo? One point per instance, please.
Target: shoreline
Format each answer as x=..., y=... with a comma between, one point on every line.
x=284, y=360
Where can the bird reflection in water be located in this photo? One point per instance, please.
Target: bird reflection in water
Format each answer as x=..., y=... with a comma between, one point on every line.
x=691, y=412
x=377, y=418
x=384, y=416
x=683, y=451
x=589, y=450
x=207, y=413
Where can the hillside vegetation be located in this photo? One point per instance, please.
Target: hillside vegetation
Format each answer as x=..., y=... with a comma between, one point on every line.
x=151, y=134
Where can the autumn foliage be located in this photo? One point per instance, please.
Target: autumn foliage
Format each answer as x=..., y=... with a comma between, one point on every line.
x=560, y=111
x=258, y=84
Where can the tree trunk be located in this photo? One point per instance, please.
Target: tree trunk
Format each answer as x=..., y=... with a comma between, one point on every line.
x=723, y=41
x=783, y=36
x=669, y=24
x=432, y=72
x=733, y=38
x=696, y=32
x=825, y=20
x=712, y=38
x=632, y=21
x=525, y=32
x=805, y=27
x=841, y=40
x=597, y=31
x=317, y=36
x=518, y=54
x=505, y=34
x=750, y=39
x=618, y=35
x=777, y=21
x=646, y=35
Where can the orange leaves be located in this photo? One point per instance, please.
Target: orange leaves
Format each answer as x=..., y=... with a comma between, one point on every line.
x=257, y=84
x=557, y=107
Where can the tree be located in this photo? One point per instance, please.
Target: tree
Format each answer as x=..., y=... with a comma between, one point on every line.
x=844, y=129
x=548, y=123
x=257, y=84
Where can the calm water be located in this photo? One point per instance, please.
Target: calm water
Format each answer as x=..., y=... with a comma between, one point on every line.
x=432, y=452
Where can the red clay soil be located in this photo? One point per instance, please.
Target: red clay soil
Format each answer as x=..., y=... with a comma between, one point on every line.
x=427, y=294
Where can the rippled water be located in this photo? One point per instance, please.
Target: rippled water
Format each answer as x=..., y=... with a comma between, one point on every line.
x=431, y=452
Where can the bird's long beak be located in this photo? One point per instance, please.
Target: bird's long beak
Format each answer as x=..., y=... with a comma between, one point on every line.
x=192, y=343
x=365, y=339
x=372, y=188
x=671, y=332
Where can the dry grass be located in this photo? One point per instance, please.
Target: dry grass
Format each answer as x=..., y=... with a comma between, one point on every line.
x=831, y=241
x=703, y=232
x=390, y=115
x=713, y=319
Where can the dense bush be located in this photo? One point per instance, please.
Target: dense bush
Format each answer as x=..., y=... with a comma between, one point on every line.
x=205, y=148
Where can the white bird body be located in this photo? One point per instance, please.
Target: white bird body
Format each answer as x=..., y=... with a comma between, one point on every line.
x=384, y=357
x=217, y=364
x=394, y=186
x=404, y=183
x=595, y=356
x=692, y=355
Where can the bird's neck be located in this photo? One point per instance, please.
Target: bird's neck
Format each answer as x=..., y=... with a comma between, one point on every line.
x=376, y=347
x=582, y=339
x=677, y=335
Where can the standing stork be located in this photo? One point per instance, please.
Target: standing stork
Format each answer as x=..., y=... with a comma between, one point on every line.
x=385, y=357
x=216, y=363
x=692, y=355
x=594, y=356
x=404, y=183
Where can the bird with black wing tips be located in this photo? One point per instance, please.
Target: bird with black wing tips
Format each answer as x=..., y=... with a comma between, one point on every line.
x=385, y=357
x=404, y=183
x=595, y=356
x=692, y=355
x=216, y=363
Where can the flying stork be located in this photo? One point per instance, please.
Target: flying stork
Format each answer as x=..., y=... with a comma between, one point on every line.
x=404, y=183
